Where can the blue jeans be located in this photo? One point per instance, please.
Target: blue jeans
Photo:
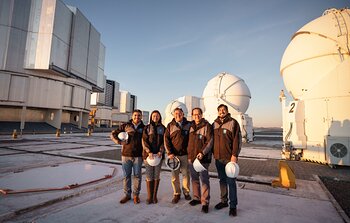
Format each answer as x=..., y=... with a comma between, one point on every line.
x=130, y=164
x=224, y=181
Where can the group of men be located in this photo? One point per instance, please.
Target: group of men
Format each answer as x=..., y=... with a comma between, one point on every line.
x=187, y=142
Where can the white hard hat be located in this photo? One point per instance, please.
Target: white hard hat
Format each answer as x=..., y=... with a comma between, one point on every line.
x=173, y=164
x=232, y=169
x=198, y=166
x=123, y=136
x=155, y=161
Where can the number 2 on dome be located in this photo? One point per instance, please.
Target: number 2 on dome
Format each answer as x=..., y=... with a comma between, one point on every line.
x=291, y=110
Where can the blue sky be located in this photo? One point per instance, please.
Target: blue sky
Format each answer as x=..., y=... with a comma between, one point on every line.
x=160, y=50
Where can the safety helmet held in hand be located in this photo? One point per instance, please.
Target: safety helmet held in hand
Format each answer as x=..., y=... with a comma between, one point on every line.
x=173, y=164
x=198, y=167
x=123, y=136
x=155, y=161
x=232, y=169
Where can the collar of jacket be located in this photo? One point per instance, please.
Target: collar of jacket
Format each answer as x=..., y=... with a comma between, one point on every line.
x=226, y=119
x=199, y=125
x=184, y=122
x=155, y=124
x=139, y=125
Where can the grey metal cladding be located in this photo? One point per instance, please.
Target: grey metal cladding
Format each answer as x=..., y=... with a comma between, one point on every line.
x=63, y=22
x=59, y=55
x=93, y=54
x=16, y=50
x=4, y=39
x=20, y=15
x=101, y=57
x=79, y=45
x=6, y=10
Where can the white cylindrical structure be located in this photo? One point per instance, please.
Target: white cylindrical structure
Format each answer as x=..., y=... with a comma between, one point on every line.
x=225, y=89
x=316, y=71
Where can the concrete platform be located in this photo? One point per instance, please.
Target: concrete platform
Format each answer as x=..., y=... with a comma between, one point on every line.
x=99, y=202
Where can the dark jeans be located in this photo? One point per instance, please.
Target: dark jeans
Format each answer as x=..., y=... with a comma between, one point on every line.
x=201, y=193
x=224, y=181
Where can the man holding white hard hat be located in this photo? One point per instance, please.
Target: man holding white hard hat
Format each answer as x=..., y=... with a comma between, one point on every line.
x=227, y=146
x=199, y=151
x=129, y=135
x=176, y=141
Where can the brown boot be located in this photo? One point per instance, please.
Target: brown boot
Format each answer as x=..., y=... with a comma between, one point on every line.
x=136, y=199
x=125, y=199
x=150, y=188
x=156, y=185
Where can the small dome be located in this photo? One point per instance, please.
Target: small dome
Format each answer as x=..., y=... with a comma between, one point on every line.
x=225, y=89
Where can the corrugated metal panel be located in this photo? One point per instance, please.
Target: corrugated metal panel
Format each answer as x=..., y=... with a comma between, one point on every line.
x=61, y=36
x=16, y=50
x=6, y=9
x=93, y=54
x=20, y=15
x=79, y=45
x=101, y=57
x=116, y=102
x=39, y=37
x=4, y=86
x=67, y=100
x=101, y=78
x=45, y=93
x=87, y=99
x=18, y=88
x=78, y=97
x=59, y=53
x=4, y=39
x=109, y=94
x=63, y=22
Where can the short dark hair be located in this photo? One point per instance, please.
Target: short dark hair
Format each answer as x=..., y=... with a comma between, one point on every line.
x=199, y=109
x=178, y=109
x=137, y=110
x=223, y=105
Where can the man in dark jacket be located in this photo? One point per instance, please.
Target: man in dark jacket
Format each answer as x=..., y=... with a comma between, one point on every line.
x=200, y=147
x=176, y=141
x=227, y=146
x=131, y=155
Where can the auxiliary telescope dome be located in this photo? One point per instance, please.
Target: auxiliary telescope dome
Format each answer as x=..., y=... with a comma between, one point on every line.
x=225, y=89
x=315, y=50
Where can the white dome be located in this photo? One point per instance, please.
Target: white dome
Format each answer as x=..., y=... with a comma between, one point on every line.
x=170, y=109
x=316, y=50
x=225, y=89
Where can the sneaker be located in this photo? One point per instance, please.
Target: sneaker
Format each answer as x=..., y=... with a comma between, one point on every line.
x=187, y=197
x=233, y=212
x=221, y=205
x=176, y=199
x=205, y=208
x=194, y=202
x=125, y=199
x=136, y=199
